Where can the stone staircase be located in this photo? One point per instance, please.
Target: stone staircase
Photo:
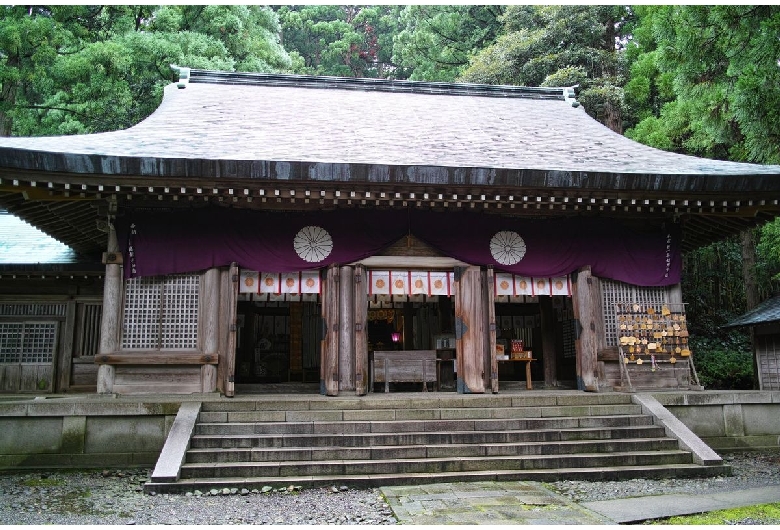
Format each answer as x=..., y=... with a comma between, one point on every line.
x=397, y=439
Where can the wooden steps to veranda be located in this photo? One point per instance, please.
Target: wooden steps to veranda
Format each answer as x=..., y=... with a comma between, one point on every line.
x=371, y=441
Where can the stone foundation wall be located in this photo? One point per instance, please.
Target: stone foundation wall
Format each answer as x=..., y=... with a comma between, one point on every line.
x=114, y=432
x=46, y=433
x=728, y=421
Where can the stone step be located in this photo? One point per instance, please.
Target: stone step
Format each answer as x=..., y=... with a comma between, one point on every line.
x=378, y=452
x=434, y=465
x=606, y=473
x=343, y=427
x=348, y=440
x=403, y=401
x=416, y=414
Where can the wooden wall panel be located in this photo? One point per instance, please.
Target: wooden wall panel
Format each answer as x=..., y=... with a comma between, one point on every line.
x=469, y=330
x=134, y=379
x=64, y=357
x=10, y=375
x=35, y=378
x=83, y=374
x=768, y=360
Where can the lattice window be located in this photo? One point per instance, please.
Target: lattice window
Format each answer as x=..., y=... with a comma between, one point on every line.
x=161, y=313
x=27, y=342
x=38, y=342
x=614, y=292
x=10, y=342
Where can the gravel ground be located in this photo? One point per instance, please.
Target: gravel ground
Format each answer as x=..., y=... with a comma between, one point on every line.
x=116, y=497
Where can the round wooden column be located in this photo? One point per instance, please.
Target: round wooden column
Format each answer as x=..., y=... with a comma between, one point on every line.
x=346, y=329
x=112, y=310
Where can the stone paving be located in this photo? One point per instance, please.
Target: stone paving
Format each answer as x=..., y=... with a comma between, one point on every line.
x=492, y=503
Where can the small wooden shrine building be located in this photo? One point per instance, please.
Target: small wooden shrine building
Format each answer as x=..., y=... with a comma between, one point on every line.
x=764, y=321
x=268, y=228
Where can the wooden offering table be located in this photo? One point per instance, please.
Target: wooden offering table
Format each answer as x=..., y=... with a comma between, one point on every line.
x=410, y=366
x=527, y=360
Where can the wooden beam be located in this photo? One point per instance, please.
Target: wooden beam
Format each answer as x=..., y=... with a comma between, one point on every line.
x=156, y=358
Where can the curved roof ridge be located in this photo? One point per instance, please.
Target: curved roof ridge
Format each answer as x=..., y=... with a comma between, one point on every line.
x=383, y=85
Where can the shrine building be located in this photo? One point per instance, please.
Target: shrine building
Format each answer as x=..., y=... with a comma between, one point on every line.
x=356, y=236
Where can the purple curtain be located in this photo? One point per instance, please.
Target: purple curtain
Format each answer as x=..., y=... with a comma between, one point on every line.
x=176, y=241
x=558, y=246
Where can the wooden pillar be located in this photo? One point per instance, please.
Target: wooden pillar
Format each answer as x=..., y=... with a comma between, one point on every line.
x=296, y=339
x=549, y=354
x=361, y=331
x=469, y=331
x=221, y=377
x=329, y=365
x=675, y=296
x=408, y=329
x=489, y=297
x=586, y=301
x=346, y=329
x=212, y=307
x=110, y=325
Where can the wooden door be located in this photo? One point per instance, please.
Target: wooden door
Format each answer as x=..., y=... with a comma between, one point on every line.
x=469, y=330
x=329, y=367
x=28, y=355
x=586, y=301
x=361, y=330
x=489, y=298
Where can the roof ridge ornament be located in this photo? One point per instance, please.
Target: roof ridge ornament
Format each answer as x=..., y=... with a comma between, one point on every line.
x=184, y=75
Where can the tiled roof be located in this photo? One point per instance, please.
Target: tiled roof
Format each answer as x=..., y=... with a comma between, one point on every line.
x=240, y=125
x=764, y=313
x=22, y=244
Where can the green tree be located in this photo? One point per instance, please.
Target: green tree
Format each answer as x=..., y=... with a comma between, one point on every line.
x=77, y=69
x=561, y=46
x=336, y=40
x=705, y=81
x=437, y=41
x=250, y=34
